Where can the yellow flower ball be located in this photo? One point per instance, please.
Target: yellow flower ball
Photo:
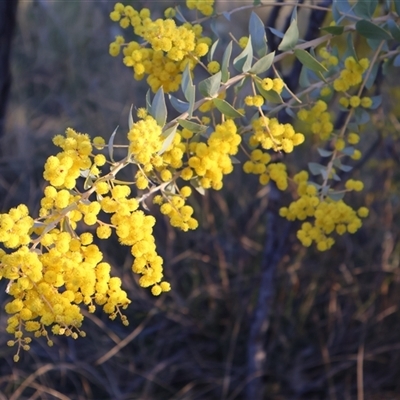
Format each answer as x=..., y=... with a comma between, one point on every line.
x=115, y=16
x=165, y=286
x=166, y=175
x=340, y=144
x=103, y=232
x=353, y=138
x=358, y=186
x=99, y=142
x=156, y=290
x=86, y=238
x=278, y=85
x=243, y=42
x=355, y=101
x=356, y=155
x=201, y=49
x=186, y=191
x=366, y=102
x=249, y=101
x=326, y=91
x=142, y=183
x=344, y=101
x=100, y=160
x=258, y=101
x=166, y=208
x=169, y=12
x=213, y=67
x=363, y=212
x=267, y=84
x=114, y=49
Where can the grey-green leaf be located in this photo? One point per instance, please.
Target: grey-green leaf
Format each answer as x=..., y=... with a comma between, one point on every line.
x=277, y=33
x=179, y=105
x=341, y=9
x=196, y=184
x=111, y=145
x=225, y=62
x=394, y=29
x=234, y=160
x=348, y=151
x=179, y=14
x=345, y=168
x=316, y=168
x=269, y=95
x=336, y=177
x=338, y=164
x=371, y=31
x=365, y=8
x=397, y=6
x=169, y=136
x=350, y=50
x=325, y=190
x=210, y=86
x=376, y=102
x=309, y=61
x=336, y=196
x=241, y=84
x=242, y=62
x=303, y=79
x=324, y=153
x=227, y=15
x=192, y=126
x=88, y=183
x=290, y=38
x=372, y=76
x=148, y=101
x=130, y=118
x=158, y=108
x=188, y=89
x=333, y=30
x=263, y=64
x=258, y=36
x=226, y=108
x=362, y=116
x=210, y=54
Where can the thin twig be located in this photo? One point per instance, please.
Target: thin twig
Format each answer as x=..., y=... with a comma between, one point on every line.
x=360, y=375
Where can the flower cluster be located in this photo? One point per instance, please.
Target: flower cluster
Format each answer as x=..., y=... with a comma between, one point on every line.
x=328, y=216
x=351, y=75
x=15, y=227
x=57, y=260
x=211, y=161
x=318, y=118
x=53, y=269
x=171, y=48
x=271, y=134
x=179, y=213
x=172, y=158
x=259, y=164
x=328, y=59
x=356, y=101
x=204, y=6
x=145, y=141
x=135, y=229
x=63, y=170
x=275, y=84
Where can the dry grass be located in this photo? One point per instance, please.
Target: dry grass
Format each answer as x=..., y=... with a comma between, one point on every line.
x=334, y=327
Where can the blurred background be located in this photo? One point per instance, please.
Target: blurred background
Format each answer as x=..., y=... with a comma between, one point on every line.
x=252, y=314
